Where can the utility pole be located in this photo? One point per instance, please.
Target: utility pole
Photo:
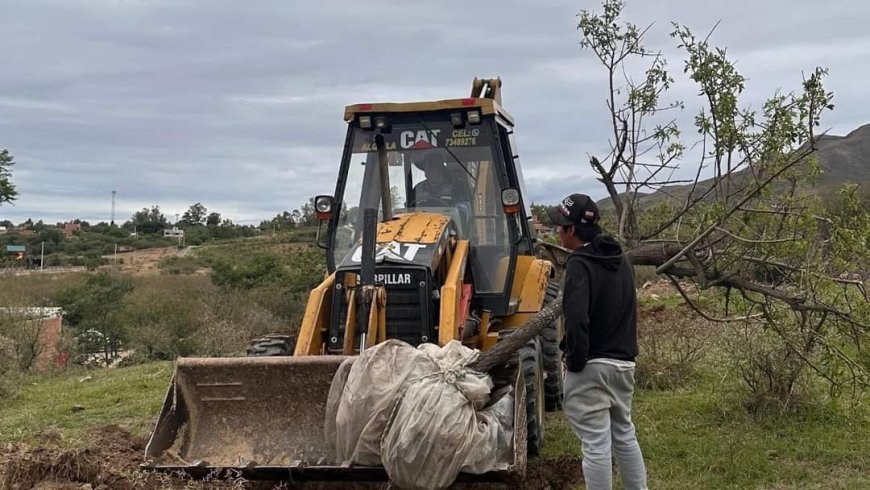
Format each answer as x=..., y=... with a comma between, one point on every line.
x=42, y=257
x=116, y=254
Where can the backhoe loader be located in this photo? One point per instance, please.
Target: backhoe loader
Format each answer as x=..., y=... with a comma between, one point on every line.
x=428, y=238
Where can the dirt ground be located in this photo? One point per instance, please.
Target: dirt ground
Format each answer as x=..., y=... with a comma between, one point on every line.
x=111, y=459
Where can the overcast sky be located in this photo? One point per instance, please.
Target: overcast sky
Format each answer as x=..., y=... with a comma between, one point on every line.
x=239, y=105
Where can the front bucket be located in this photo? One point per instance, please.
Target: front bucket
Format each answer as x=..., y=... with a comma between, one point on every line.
x=263, y=417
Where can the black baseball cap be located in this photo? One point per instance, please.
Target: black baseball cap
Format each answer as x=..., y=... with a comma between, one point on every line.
x=576, y=209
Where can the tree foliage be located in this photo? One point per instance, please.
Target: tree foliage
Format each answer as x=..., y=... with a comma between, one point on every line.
x=195, y=215
x=147, y=221
x=750, y=230
x=93, y=309
x=256, y=271
x=8, y=193
x=213, y=219
x=539, y=211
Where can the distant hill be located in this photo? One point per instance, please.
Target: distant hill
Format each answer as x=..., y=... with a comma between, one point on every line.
x=845, y=158
x=842, y=158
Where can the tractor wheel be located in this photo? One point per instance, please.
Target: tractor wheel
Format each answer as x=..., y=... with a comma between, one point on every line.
x=552, y=359
x=533, y=375
x=272, y=345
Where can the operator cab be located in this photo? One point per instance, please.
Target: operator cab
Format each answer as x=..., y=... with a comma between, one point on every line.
x=455, y=161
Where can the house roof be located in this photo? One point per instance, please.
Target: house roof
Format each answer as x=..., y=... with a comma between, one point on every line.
x=33, y=312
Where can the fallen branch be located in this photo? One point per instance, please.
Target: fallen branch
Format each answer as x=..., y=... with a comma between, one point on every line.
x=699, y=311
x=505, y=349
x=748, y=197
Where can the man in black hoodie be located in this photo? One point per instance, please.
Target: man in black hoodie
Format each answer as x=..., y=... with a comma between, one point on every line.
x=600, y=311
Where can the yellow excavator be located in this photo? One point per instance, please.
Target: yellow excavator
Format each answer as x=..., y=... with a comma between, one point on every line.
x=428, y=238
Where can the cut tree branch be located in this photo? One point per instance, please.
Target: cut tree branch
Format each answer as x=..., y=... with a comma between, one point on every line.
x=731, y=211
x=700, y=311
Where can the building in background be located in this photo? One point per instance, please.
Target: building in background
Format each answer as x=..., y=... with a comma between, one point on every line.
x=174, y=233
x=16, y=252
x=70, y=228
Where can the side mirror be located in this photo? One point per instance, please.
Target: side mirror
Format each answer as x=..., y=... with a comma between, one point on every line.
x=323, y=207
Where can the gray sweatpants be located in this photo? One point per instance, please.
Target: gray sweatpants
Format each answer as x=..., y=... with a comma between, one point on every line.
x=598, y=406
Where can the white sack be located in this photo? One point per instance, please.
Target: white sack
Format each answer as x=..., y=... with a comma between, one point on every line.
x=373, y=384
x=420, y=413
x=339, y=380
x=440, y=428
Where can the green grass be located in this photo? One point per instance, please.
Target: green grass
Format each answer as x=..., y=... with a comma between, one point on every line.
x=695, y=438
x=692, y=438
x=129, y=397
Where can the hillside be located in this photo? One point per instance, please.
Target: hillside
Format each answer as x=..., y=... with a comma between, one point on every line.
x=845, y=158
x=842, y=158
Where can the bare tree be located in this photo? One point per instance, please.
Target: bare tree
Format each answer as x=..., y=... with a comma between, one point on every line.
x=24, y=333
x=743, y=223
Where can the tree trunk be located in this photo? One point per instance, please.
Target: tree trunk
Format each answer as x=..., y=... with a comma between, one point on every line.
x=654, y=254
x=508, y=347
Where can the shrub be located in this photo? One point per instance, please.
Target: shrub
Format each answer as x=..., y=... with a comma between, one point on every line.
x=176, y=265
x=23, y=335
x=671, y=341
x=775, y=379
x=167, y=317
x=9, y=374
x=229, y=320
x=93, y=309
x=256, y=271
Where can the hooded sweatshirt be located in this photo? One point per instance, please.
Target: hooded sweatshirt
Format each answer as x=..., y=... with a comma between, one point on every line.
x=599, y=305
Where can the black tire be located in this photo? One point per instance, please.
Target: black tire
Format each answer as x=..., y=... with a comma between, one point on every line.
x=552, y=356
x=533, y=375
x=272, y=345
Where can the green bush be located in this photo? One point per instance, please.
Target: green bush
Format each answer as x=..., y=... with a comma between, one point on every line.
x=256, y=271
x=9, y=372
x=176, y=265
x=306, y=268
x=302, y=235
x=170, y=316
x=161, y=316
x=776, y=381
x=93, y=309
x=672, y=342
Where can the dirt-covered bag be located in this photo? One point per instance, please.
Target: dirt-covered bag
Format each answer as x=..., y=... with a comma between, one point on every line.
x=365, y=400
x=339, y=381
x=439, y=426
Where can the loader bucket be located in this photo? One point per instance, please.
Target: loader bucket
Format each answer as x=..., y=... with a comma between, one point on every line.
x=263, y=418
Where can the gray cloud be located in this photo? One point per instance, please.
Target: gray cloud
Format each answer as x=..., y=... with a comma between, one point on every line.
x=239, y=105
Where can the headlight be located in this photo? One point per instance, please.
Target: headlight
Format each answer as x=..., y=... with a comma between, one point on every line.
x=323, y=204
x=510, y=199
